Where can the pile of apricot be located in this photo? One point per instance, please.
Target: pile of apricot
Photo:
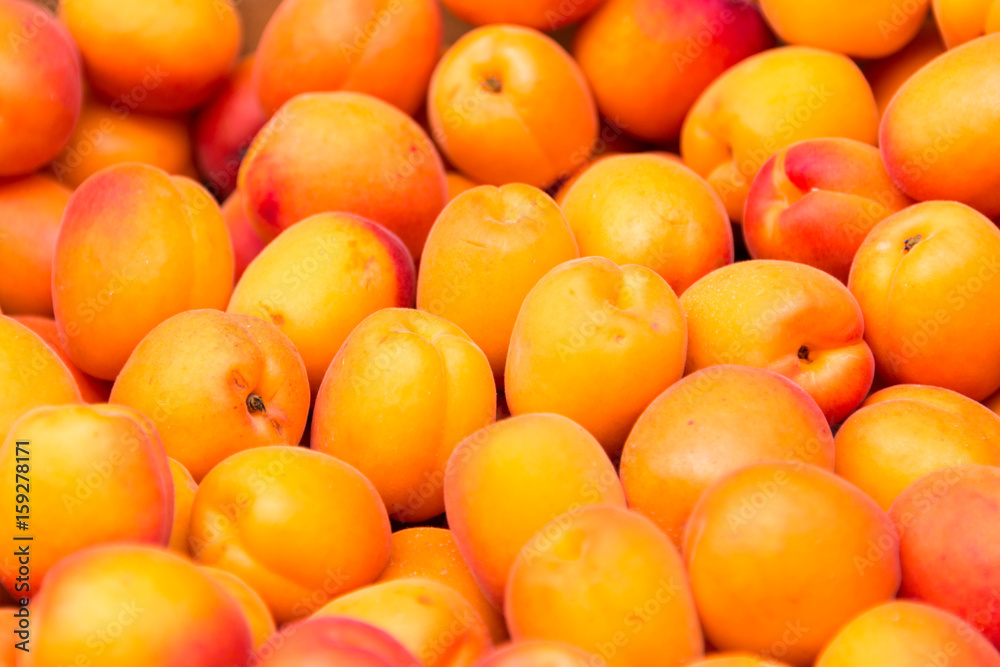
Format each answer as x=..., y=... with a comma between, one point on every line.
x=500, y=333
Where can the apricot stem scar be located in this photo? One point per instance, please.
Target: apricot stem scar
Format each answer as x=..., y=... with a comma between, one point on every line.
x=255, y=403
x=493, y=84
x=912, y=241
x=804, y=353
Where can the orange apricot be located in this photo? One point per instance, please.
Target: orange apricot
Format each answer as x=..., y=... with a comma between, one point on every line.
x=431, y=553
x=595, y=342
x=246, y=244
x=711, y=423
x=107, y=135
x=41, y=90
x=491, y=245
x=901, y=634
x=539, y=653
x=458, y=183
x=321, y=278
x=31, y=209
x=384, y=49
x=163, y=249
x=787, y=317
x=814, y=202
x=648, y=62
x=31, y=374
x=541, y=14
x=404, y=389
x=257, y=614
x=962, y=21
x=887, y=75
x=609, y=581
x=91, y=389
x=185, y=489
x=343, y=152
x=127, y=605
x=98, y=473
x=940, y=130
x=926, y=279
x=216, y=384
x=337, y=640
x=430, y=619
x=781, y=555
x=157, y=55
x=507, y=104
x=332, y=534
x=653, y=211
x=767, y=102
x=735, y=660
x=535, y=467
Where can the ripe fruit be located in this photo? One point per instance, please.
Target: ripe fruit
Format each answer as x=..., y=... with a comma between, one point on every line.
x=95, y=474
x=815, y=202
x=319, y=279
x=246, y=244
x=254, y=610
x=403, y=390
x=163, y=249
x=157, y=55
x=790, y=318
x=905, y=432
x=507, y=104
x=91, y=389
x=650, y=210
x=595, y=342
x=961, y=21
x=331, y=534
x=185, y=489
x=41, y=90
x=782, y=555
x=767, y=102
x=606, y=580
x=648, y=62
x=887, y=75
x=539, y=653
x=335, y=640
x=926, y=281
x=534, y=467
x=541, y=14
x=386, y=50
x=491, y=246
x=343, y=152
x=712, y=423
x=216, y=384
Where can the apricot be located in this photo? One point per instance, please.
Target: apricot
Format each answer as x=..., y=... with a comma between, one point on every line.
x=901, y=634
x=457, y=184
x=344, y=642
x=711, y=423
x=569, y=182
x=595, y=342
x=736, y=660
x=815, y=202
x=31, y=209
x=431, y=553
x=539, y=653
x=126, y=605
x=647, y=62
x=430, y=619
x=870, y=29
x=107, y=135
x=91, y=389
x=926, y=281
x=540, y=14
x=185, y=489
x=31, y=374
x=386, y=50
x=767, y=102
x=254, y=610
x=887, y=75
x=331, y=533
x=89, y=475
x=404, y=389
x=905, y=432
x=787, y=317
x=223, y=129
x=491, y=246
x=318, y=280
x=157, y=55
x=41, y=90
x=535, y=467
x=782, y=555
x=567, y=585
x=653, y=211
x=962, y=21
x=940, y=130
x=343, y=152
x=216, y=384
x=246, y=244
x=507, y=104
x=948, y=545
x=163, y=249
